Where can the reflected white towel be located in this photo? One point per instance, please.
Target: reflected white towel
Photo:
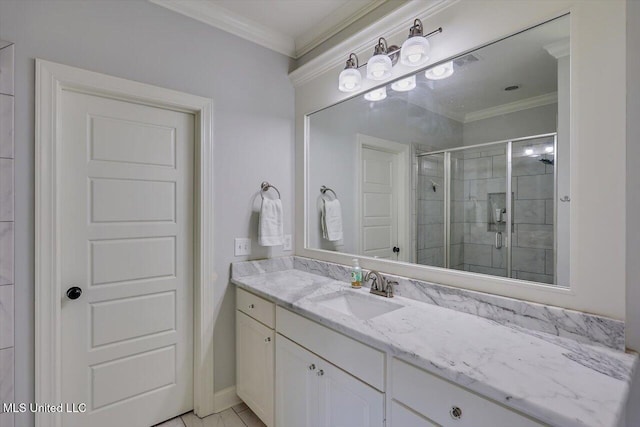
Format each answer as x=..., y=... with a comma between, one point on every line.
x=270, y=225
x=332, y=220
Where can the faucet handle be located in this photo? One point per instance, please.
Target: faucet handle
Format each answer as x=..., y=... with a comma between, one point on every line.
x=389, y=288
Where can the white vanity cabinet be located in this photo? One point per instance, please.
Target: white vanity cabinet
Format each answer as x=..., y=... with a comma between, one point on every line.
x=444, y=403
x=312, y=392
x=255, y=350
x=295, y=372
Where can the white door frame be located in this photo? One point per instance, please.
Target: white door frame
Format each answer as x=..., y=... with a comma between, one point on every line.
x=403, y=152
x=51, y=79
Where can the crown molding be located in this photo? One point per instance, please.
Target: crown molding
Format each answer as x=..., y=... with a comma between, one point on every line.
x=512, y=107
x=559, y=49
x=393, y=24
x=332, y=24
x=216, y=16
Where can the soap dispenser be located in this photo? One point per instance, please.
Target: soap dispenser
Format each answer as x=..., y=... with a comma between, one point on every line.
x=356, y=274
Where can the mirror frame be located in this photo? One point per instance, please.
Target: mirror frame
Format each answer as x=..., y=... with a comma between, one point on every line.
x=498, y=19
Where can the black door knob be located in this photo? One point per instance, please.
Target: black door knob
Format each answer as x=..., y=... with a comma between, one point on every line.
x=74, y=292
x=396, y=249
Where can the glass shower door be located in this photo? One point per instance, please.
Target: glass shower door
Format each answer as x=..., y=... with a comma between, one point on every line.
x=478, y=206
x=533, y=242
x=430, y=219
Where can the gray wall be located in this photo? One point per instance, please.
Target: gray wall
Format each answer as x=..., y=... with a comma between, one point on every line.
x=332, y=150
x=533, y=121
x=253, y=127
x=633, y=200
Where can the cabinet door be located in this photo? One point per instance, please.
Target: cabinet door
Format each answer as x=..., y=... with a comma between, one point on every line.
x=255, y=366
x=345, y=401
x=296, y=385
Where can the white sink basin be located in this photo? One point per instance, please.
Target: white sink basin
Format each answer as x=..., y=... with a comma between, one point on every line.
x=362, y=306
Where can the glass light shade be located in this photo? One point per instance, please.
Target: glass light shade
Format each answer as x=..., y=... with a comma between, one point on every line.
x=350, y=80
x=414, y=51
x=376, y=94
x=379, y=67
x=548, y=149
x=440, y=72
x=404, y=85
x=528, y=152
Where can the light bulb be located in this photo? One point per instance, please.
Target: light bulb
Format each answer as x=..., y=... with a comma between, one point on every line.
x=548, y=149
x=350, y=80
x=379, y=67
x=376, y=94
x=404, y=85
x=528, y=151
x=414, y=51
x=440, y=72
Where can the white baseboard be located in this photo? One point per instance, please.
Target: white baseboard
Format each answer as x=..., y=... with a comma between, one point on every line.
x=225, y=399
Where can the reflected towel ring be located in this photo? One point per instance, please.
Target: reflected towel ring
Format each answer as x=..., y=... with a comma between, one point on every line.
x=265, y=186
x=324, y=190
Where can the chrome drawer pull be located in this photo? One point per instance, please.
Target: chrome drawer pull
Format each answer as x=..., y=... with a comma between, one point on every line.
x=267, y=339
x=251, y=306
x=320, y=373
x=312, y=367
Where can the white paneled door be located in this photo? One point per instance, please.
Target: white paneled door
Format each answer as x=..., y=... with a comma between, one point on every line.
x=126, y=241
x=379, y=205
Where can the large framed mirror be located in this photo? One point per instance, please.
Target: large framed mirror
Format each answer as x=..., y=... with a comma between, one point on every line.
x=462, y=165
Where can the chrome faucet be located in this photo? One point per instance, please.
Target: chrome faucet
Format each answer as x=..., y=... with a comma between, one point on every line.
x=380, y=285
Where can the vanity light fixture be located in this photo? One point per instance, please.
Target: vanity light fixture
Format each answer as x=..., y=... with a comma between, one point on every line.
x=415, y=50
x=379, y=65
x=350, y=78
x=404, y=85
x=548, y=149
x=376, y=94
x=440, y=72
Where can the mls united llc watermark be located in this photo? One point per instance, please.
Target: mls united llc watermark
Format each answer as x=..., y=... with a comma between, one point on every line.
x=45, y=407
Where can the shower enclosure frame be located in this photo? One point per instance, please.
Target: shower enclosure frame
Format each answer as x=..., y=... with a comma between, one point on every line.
x=508, y=143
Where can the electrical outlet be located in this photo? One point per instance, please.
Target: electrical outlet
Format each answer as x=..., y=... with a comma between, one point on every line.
x=242, y=246
x=288, y=244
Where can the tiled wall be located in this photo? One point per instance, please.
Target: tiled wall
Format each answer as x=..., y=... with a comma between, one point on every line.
x=6, y=231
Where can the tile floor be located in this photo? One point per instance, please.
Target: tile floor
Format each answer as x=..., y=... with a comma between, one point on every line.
x=238, y=416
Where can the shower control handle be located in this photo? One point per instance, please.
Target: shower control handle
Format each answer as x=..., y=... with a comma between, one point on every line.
x=499, y=240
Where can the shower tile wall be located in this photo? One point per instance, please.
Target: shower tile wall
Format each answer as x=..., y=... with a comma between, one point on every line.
x=6, y=231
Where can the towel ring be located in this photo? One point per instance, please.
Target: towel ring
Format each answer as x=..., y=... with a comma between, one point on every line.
x=265, y=186
x=324, y=190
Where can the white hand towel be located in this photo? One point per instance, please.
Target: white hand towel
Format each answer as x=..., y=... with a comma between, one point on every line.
x=270, y=226
x=332, y=220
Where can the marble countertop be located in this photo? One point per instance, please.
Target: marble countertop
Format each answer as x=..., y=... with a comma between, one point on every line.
x=553, y=379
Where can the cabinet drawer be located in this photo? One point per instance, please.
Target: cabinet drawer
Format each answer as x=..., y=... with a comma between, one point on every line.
x=435, y=398
x=360, y=360
x=404, y=417
x=256, y=307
